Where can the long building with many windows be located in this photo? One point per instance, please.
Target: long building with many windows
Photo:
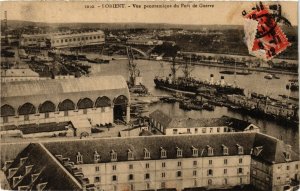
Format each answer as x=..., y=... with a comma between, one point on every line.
x=162, y=162
x=159, y=121
x=63, y=39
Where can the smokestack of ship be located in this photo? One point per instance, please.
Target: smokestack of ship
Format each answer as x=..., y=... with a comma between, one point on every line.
x=222, y=81
x=211, y=80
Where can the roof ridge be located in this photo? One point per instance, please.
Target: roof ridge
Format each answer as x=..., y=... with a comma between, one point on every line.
x=60, y=165
x=271, y=137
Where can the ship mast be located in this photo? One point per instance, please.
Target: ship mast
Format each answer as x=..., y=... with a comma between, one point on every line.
x=5, y=31
x=133, y=71
x=173, y=69
x=235, y=74
x=187, y=69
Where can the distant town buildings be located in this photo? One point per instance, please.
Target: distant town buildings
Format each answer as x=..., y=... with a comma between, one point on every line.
x=143, y=41
x=156, y=163
x=63, y=39
x=173, y=125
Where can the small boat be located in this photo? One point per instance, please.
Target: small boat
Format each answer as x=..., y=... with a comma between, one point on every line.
x=269, y=77
x=184, y=106
x=42, y=58
x=99, y=61
x=226, y=72
x=208, y=107
x=168, y=99
x=275, y=76
x=244, y=72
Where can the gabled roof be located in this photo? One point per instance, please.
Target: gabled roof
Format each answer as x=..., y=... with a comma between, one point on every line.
x=179, y=122
x=153, y=144
x=161, y=117
x=272, y=150
x=36, y=92
x=62, y=86
x=49, y=171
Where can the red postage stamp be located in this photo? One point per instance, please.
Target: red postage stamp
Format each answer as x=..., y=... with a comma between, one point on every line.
x=269, y=39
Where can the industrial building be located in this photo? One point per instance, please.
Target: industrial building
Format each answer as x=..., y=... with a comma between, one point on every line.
x=63, y=39
x=94, y=100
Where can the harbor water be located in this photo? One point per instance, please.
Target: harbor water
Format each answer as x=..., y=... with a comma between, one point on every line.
x=251, y=83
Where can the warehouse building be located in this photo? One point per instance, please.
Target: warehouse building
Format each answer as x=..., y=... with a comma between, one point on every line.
x=95, y=100
x=63, y=39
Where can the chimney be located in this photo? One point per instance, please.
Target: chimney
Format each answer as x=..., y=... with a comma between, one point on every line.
x=211, y=80
x=222, y=81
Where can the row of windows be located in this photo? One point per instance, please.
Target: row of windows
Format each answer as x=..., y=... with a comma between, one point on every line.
x=178, y=174
x=46, y=115
x=163, y=184
x=76, y=39
x=288, y=167
x=163, y=164
x=210, y=172
x=34, y=39
x=175, y=131
x=163, y=152
x=63, y=40
x=67, y=104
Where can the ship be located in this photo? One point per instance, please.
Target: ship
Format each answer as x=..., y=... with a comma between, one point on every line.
x=186, y=84
x=98, y=60
x=134, y=83
x=271, y=76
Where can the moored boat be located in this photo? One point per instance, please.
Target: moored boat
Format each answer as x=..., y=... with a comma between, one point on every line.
x=269, y=77
x=188, y=84
x=229, y=72
x=244, y=72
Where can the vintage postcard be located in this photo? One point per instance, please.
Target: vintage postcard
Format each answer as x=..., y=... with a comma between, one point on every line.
x=156, y=96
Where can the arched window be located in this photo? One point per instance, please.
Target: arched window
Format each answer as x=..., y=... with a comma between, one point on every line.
x=103, y=102
x=27, y=109
x=85, y=103
x=46, y=107
x=7, y=110
x=66, y=105
x=121, y=100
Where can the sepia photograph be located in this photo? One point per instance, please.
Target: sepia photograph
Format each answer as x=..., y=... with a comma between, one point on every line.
x=149, y=96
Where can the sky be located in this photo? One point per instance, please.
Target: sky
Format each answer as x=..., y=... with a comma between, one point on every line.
x=222, y=13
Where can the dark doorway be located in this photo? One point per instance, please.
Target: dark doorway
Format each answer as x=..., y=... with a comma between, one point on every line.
x=120, y=108
x=119, y=112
